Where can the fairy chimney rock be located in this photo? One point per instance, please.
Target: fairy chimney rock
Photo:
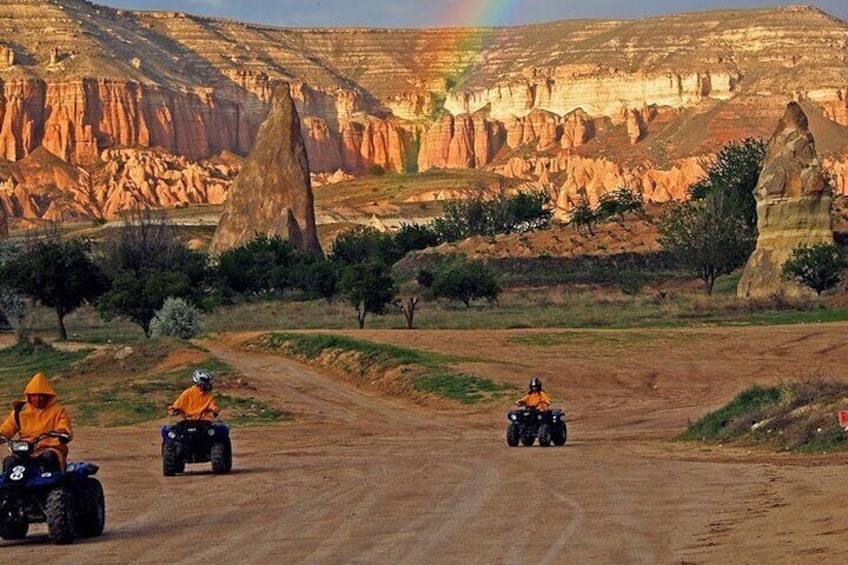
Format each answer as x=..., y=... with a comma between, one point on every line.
x=793, y=207
x=272, y=195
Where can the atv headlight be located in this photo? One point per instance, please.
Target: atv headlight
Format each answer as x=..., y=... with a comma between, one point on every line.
x=513, y=416
x=19, y=446
x=172, y=435
x=211, y=432
x=46, y=475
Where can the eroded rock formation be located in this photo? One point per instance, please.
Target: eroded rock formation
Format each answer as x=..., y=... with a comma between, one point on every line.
x=793, y=207
x=272, y=194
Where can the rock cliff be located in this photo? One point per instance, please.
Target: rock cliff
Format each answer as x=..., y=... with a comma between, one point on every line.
x=88, y=83
x=793, y=207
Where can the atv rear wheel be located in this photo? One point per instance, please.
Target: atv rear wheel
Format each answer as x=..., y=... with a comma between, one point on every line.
x=561, y=434
x=92, y=515
x=60, y=515
x=170, y=465
x=218, y=456
x=513, y=435
x=12, y=529
x=544, y=435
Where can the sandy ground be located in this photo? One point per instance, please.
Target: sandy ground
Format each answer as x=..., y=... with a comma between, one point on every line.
x=362, y=478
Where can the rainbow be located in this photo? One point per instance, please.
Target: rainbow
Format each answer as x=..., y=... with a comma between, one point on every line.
x=482, y=13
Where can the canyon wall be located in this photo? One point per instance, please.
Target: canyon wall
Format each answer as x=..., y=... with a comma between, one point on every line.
x=127, y=102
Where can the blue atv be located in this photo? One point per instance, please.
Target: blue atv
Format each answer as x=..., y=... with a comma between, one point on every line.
x=32, y=491
x=196, y=441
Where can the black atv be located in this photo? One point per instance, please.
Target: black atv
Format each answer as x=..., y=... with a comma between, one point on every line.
x=70, y=501
x=196, y=441
x=526, y=424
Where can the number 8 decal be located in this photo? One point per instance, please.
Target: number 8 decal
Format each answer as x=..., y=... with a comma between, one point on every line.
x=17, y=473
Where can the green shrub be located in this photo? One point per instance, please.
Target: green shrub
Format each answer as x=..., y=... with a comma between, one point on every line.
x=819, y=266
x=177, y=318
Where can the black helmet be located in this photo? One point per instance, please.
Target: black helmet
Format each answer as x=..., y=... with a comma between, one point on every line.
x=536, y=383
x=203, y=379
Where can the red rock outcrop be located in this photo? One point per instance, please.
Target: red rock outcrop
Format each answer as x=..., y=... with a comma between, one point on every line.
x=272, y=194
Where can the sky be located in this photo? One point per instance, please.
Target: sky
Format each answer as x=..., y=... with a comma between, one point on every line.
x=444, y=13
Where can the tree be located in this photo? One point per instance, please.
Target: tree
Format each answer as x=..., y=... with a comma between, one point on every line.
x=523, y=211
x=465, y=281
x=819, y=266
x=411, y=237
x=407, y=306
x=706, y=238
x=734, y=176
x=59, y=274
x=362, y=244
x=582, y=216
x=318, y=276
x=368, y=287
x=261, y=264
x=147, y=264
x=619, y=201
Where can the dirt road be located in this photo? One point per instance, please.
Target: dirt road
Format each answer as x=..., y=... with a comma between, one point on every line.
x=360, y=478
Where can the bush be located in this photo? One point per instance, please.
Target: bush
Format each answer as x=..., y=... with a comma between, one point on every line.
x=583, y=217
x=363, y=244
x=818, y=266
x=177, y=318
x=617, y=202
x=520, y=212
x=465, y=281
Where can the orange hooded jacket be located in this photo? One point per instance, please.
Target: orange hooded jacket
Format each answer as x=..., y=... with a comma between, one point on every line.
x=196, y=404
x=539, y=400
x=36, y=421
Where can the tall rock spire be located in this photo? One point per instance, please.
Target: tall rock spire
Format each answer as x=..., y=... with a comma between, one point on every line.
x=793, y=207
x=272, y=194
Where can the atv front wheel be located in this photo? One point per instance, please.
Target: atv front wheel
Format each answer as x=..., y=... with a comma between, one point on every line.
x=513, y=435
x=561, y=434
x=92, y=515
x=218, y=456
x=60, y=515
x=544, y=435
x=170, y=465
x=12, y=529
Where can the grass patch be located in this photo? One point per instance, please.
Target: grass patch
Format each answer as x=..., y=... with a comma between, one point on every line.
x=381, y=355
x=799, y=417
x=19, y=362
x=395, y=368
x=119, y=386
x=463, y=387
x=737, y=417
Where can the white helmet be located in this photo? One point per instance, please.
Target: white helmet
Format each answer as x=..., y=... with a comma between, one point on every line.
x=203, y=379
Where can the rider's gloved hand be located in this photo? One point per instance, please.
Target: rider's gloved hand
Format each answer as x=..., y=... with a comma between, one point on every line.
x=64, y=438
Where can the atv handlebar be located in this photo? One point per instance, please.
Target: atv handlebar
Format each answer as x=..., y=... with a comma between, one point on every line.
x=63, y=437
x=177, y=412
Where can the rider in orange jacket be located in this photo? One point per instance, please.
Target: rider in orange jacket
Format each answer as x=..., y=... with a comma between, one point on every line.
x=39, y=414
x=197, y=402
x=535, y=397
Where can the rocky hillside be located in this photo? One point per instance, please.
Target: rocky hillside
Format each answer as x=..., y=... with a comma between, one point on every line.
x=578, y=107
